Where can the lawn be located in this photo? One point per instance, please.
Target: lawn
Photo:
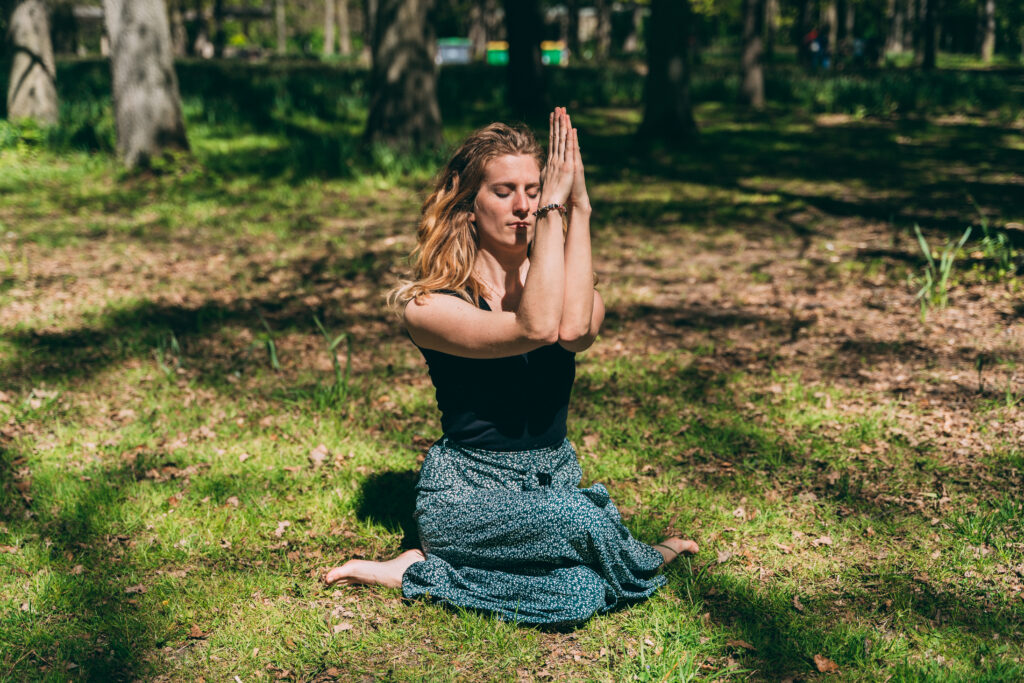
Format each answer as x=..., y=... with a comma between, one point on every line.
x=187, y=442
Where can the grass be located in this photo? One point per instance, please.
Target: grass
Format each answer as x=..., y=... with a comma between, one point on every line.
x=204, y=404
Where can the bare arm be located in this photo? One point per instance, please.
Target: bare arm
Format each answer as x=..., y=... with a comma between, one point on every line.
x=582, y=308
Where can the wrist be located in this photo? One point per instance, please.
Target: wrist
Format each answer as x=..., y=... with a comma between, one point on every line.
x=580, y=207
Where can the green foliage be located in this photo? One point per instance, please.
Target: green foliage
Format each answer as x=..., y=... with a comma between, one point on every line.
x=935, y=277
x=335, y=395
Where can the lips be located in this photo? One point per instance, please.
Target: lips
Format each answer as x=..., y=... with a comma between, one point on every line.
x=519, y=225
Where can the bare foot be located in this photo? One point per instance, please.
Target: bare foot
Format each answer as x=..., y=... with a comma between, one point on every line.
x=374, y=573
x=673, y=547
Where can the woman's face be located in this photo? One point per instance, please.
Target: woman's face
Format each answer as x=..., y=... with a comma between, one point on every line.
x=504, y=205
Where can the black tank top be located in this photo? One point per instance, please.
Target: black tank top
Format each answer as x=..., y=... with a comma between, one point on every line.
x=515, y=403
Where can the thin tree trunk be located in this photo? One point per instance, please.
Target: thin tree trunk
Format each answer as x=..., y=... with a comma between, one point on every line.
x=988, y=33
x=179, y=37
x=404, y=112
x=369, y=17
x=220, y=35
x=910, y=25
x=525, y=77
x=344, y=28
x=147, y=106
x=477, y=32
x=282, y=28
x=668, y=113
x=752, y=87
x=830, y=17
x=802, y=26
x=32, y=91
x=771, y=28
x=604, y=28
x=573, y=39
x=929, y=27
x=330, y=24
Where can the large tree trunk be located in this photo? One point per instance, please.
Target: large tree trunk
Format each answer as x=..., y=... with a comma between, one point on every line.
x=526, y=94
x=147, y=105
x=668, y=114
x=930, y=38
x=344, y=29
x=32, y=91
x=752, y=87
x=988, y=30
x=220, y=34
x=330, y=24
x=403, y=82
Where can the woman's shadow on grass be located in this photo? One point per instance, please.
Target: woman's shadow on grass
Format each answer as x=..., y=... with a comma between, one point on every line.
x=389, y=499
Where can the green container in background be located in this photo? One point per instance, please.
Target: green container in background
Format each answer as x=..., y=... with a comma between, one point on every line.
x=497, y=52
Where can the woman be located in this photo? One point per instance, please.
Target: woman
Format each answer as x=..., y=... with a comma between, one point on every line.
x=501, y=300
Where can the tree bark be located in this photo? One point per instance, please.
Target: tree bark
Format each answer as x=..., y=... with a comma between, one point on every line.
x=32, y=91
x=752, y=87
x=404, y=112
x=147, y=106
x=929, y=28
x=988, y=30
x=330, y=24
x=801, y=27
x=604, y=29
x=668, y=113
x=771, y=28
x=526, y=94
x=344, y=28
x=830, y=18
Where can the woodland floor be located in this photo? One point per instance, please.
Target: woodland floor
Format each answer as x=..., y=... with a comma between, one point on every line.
x=178, y=465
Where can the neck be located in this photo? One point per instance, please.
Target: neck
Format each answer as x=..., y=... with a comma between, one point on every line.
x=503, y=273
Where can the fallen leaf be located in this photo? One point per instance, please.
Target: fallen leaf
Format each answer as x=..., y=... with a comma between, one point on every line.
x=739, y=513
x=196, y=633
x=783, y=548
x=281, y=526
x=135, y=589
x=590, y=441
x=343, y=626
x=822, y=540
x=824, y=664
x=723, y=556
x=797, y=604
x=243, y=457
x=232, y=501
x=8, y=549
x=318, y=456
x=740, y=643
x=77, y=570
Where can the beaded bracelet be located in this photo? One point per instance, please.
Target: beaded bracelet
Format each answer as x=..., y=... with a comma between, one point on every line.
x=543, y=211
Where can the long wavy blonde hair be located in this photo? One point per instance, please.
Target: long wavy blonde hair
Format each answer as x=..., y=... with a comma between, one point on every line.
x=447, y=240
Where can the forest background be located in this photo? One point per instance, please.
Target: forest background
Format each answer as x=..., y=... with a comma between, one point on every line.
x=808, y=231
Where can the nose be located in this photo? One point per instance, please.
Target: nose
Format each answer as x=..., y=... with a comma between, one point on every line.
x=521, y=205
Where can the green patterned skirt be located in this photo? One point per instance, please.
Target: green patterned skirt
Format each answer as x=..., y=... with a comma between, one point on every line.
x=513, y=534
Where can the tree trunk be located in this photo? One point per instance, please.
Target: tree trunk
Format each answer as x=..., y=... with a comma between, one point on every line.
x=526, y=94
x=668, y=114
x=604, y=29
x=179, y=37
x=830, y=19
x=477, y=32
x=220, y=36
x=330, y=23
x=282, y=28
x=403, y=81
x=369, y=17
x=771, y=28
x=752, y=87
x=344, y=29
x=573, y=30
x=929, y=29
x=147, y=105
x=988, y=30
x=801, y=27
x=910, y=15
x=32, y=91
